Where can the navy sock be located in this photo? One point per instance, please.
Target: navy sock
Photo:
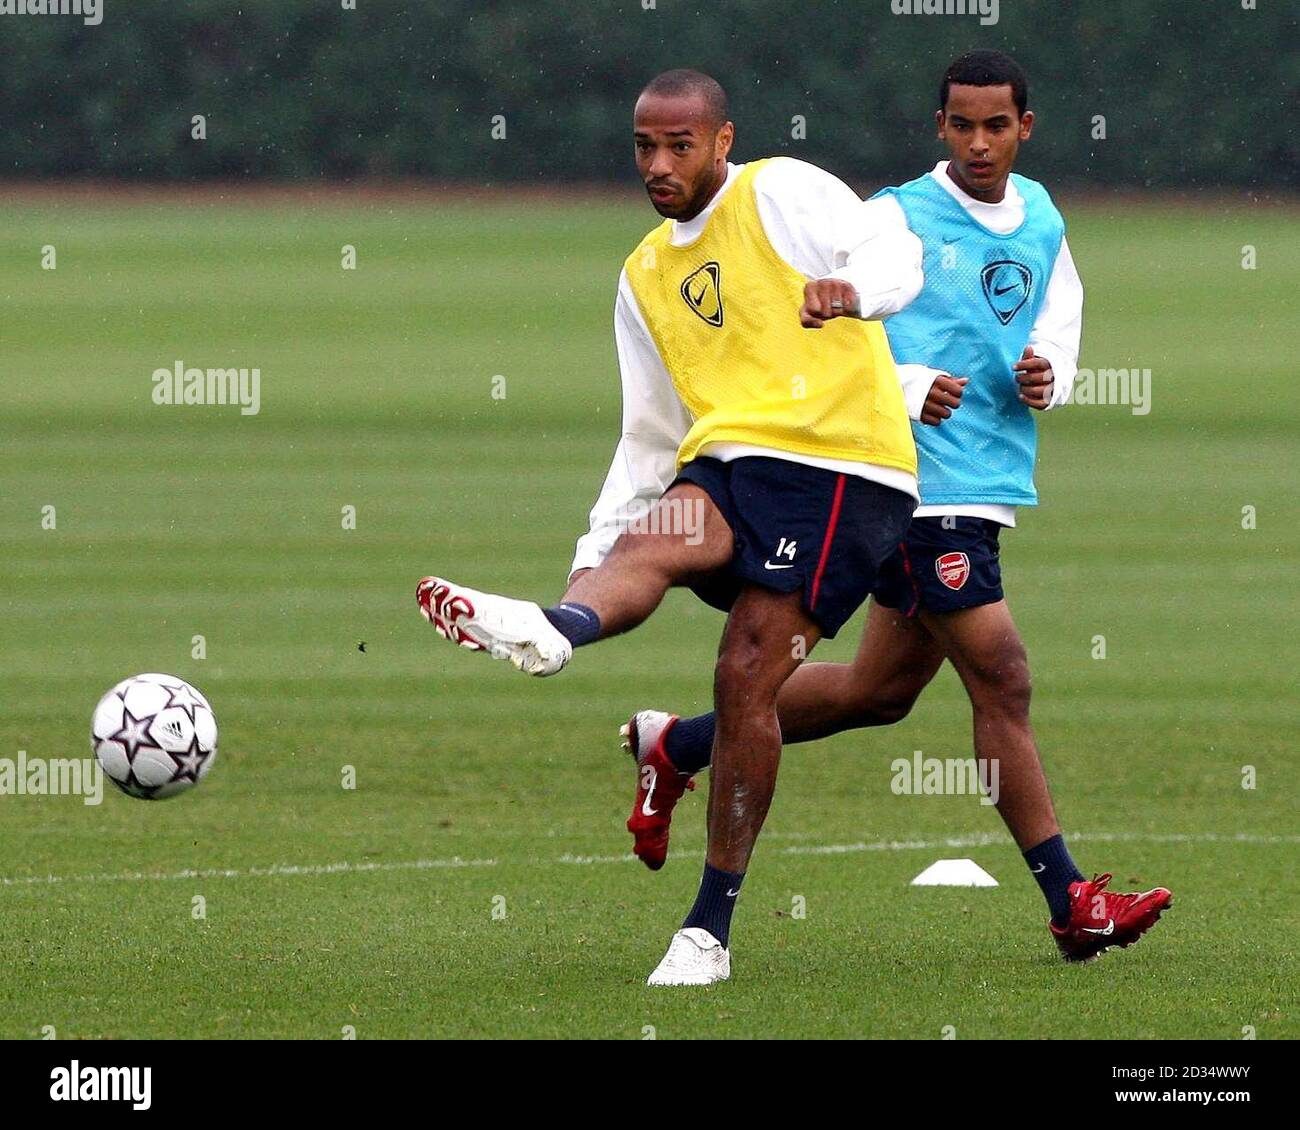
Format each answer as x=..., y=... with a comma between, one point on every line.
x=575, y=622
x=689, y=743
x=715, y=902
x=1051, y=865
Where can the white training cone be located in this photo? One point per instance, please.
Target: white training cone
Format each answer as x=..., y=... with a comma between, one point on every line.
x=954, y=873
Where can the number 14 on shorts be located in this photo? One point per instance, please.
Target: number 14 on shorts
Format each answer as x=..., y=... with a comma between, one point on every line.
x=786, y=548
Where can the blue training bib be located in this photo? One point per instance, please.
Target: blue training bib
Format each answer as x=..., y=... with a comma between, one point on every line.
x=973, y=318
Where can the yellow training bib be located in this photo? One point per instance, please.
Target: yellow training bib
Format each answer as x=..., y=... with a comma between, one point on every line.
x=724, y=314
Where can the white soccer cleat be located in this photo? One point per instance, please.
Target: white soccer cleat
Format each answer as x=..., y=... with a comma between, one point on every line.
x=694, y=957
x=517, y=630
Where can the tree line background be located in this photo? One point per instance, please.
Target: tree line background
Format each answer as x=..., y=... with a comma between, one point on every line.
x=1194, y=93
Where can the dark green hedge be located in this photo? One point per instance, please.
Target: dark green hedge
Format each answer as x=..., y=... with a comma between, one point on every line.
x=1194, y=92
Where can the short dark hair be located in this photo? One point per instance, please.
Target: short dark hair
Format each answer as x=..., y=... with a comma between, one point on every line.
x=680, y=82
x=986, y=67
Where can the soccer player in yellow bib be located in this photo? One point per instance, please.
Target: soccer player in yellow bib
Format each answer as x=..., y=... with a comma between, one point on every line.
x=758, y=383
x=994, y=333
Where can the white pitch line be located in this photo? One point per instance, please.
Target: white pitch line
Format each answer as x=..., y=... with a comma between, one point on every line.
x=985, y=839
x=276, y=870
x=980, y=839
x=989, y=839
x=596, y=858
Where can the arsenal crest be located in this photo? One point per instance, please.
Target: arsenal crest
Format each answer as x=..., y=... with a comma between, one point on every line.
x=953, y=569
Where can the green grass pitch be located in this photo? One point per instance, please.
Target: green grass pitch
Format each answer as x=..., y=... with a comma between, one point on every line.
x=478, y=790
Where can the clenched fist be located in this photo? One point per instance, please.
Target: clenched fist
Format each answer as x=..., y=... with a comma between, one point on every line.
x=824, y=299
x=943, y=399
x=1035, y=377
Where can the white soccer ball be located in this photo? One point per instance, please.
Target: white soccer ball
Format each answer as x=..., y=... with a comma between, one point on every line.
x=155, y=736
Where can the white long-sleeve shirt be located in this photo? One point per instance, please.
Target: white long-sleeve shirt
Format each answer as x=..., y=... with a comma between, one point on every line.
x=1055, y=334
x=818, y=225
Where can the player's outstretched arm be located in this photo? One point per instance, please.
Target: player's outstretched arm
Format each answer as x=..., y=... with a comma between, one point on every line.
x=857, y=254
x=880, y=259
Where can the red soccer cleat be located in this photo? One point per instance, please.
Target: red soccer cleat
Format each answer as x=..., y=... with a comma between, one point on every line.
x=1100, y=918
x=659, y=785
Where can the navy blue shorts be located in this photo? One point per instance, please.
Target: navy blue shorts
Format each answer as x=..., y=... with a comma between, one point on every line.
x=943, y=570
x=799, y=527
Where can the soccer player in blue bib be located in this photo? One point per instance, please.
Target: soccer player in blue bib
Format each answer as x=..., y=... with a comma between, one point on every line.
x=992, y=338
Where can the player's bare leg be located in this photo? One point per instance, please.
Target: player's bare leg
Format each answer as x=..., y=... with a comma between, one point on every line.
x=630, y=583
x=627, y=587
x=766, y=636
x=987, y=652
x=896, y=660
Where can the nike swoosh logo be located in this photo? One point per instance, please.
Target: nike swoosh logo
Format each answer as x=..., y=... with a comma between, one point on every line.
x=1109, y=929
x=769, y=565
x=1038, y=870
x=1004, y=289
x=732, y=894
x=698, y=298
x=646, y=810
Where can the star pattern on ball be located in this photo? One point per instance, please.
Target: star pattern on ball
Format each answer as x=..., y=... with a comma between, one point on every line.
x=191, y=761
x=161, y=732
x=134, y=734
x=183, y=696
